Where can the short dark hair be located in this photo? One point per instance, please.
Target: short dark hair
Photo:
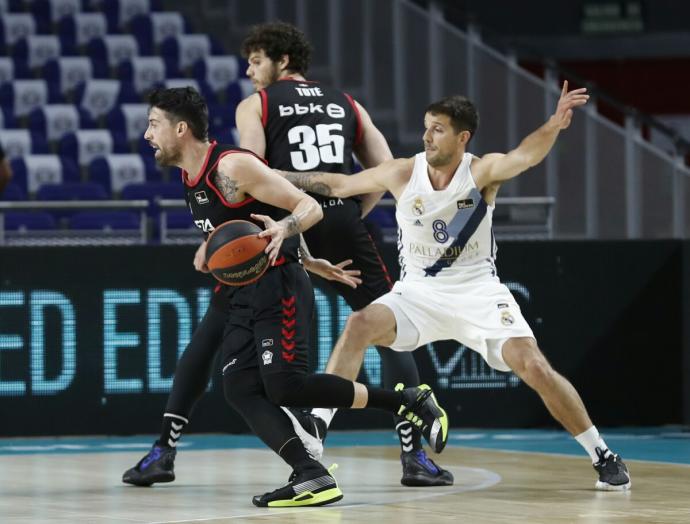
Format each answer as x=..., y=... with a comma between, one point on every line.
x=278, y=39
x=183, y=104
x=461, y=111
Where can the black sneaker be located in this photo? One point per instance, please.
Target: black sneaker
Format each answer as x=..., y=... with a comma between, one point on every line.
x=421, y=408
x=312, y=487
x=310, y=429
x=420, y=470
x=613, y=473
x=158, y=465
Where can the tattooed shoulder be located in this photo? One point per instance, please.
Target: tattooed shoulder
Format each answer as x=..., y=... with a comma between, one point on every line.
x=227, y=187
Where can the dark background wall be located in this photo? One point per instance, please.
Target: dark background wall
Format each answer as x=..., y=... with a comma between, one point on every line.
x=89, y=338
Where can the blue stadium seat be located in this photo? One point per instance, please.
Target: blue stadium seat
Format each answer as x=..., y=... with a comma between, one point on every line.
x=14, y=27
x=76, y=31
x=143, y=72
x=383, y=216
x=109, y=51
x=152, y=191
x=67, y=72
x=32, y=52
x=114, y=172
x=72, y=191
x=23, y=96
x=84, y=145
x=182, y=51
x=24, y=220
x=12, y=193
x=129, y=121
x=238, y=91
x=120, y=12
x=221, y=119
x=21, y=142
x=56, y=120
x=152, y=28
x=30, y=172
x=77, y=191
x=179, y=219
x=218, y=72
x=47, y=13
x=105, y=220
x=100, y=96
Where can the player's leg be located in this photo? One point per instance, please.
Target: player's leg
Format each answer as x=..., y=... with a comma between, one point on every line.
x=523, y=356
x=192, y=374
x=283, y=306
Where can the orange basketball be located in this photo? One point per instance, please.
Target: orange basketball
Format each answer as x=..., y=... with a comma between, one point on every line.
x=235, y=254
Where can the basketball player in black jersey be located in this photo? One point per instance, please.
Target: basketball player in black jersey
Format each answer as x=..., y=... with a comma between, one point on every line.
x=264, y=364
x=299, y=125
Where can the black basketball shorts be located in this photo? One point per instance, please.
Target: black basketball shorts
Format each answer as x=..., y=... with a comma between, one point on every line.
x=269, y=323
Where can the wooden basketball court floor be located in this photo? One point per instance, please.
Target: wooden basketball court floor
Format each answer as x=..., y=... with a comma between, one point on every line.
x=498, y=478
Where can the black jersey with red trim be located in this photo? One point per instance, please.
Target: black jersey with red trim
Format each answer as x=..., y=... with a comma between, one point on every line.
x=210, y=209
x=309, y=127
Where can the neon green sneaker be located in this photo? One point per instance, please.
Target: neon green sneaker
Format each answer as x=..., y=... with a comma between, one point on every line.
x=312, y=487
x=421, y=409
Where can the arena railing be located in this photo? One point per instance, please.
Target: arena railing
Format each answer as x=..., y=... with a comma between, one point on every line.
x=71, y=237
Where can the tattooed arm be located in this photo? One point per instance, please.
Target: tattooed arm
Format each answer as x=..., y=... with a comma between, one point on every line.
x=389, y=176
x=244, y=175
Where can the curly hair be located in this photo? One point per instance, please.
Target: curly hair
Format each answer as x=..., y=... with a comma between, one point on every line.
x=183, y=104
x=277, y=39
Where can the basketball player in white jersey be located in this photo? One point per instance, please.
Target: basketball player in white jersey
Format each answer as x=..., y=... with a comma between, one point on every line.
x=448, y=287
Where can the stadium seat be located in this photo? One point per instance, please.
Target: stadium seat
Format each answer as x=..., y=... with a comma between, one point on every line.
x=21, y=142
x=105, y=220
x=152, y=28
x=56, y=120
x=7, y=120
x=12, y=193
x=129, y=121
x=179, y=219
x=68, y=72
x=30, y=172
x=109, y=51
x=33, y=52
x=238, y=91
x=221, y=119
x=72, y=191
x=114, y=172
x=143, y=72
x=98, y=97
x=182, y=51
x=22, y=96
x=24, y=220
x=49, y=12
x=120, y=12
x=218, y=72
x=384, y=217
x=15, y=26
x=77, y=30
x=152, y=191
x=85, y=145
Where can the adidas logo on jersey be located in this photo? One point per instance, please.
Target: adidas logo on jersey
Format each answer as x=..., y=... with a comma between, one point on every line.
x=418, y=223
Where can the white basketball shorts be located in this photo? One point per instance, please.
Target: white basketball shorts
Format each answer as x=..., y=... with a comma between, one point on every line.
x=481, y=314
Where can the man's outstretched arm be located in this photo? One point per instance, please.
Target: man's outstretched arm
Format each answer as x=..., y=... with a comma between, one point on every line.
x=497, y=167
x=389, y=176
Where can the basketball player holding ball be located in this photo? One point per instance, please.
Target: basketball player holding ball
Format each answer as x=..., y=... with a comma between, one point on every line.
x=265, y=343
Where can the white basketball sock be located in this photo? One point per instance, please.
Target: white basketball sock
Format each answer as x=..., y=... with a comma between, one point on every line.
x=325, y=414
x=591, y=440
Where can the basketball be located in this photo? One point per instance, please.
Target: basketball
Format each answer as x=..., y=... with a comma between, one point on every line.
x=235, y=254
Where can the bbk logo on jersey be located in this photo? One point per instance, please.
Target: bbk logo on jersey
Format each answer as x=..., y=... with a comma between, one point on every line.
x=204, y=225
x=201, y=197
x=332, y=110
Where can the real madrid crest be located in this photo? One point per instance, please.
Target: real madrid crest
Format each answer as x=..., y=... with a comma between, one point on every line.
x=507, y=319
x=418, y=207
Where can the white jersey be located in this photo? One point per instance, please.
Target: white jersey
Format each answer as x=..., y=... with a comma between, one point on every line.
x=444, y=234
